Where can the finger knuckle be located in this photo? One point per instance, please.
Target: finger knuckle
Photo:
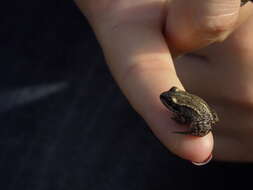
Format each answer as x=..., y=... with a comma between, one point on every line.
x=216, y=25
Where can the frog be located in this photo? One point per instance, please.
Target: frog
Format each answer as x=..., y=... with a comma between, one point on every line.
x=189, y=109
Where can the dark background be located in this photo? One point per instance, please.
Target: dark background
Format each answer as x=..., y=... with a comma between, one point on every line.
x=64, y=124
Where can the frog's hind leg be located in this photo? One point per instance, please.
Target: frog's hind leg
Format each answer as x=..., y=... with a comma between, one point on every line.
x=196, y=131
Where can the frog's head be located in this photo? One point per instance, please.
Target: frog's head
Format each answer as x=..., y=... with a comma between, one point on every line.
x=170, y=99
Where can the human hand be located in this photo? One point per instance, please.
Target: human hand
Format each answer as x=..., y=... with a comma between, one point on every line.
x=139, y=39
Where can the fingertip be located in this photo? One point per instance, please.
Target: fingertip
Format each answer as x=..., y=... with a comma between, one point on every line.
x=197, y=149
x=194, y=149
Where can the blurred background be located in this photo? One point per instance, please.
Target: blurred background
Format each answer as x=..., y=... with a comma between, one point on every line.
x=64, y=124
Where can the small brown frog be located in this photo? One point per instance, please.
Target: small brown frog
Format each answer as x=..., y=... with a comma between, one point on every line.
x=191, y=110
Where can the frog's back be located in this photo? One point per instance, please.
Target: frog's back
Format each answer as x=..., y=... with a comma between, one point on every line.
x=195, y=103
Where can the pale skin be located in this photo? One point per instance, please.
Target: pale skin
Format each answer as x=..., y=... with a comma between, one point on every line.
x=210, y=46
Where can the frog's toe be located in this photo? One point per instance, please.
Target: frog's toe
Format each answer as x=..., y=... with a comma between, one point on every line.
x=183, y=132
x=193, y=133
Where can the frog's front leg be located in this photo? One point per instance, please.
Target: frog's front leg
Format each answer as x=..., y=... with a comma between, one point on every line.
x=179, y=119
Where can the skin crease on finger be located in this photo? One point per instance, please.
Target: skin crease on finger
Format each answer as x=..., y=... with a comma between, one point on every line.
x=138, y=81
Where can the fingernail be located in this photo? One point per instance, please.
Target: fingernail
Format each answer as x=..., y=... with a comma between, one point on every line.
x=205, y=162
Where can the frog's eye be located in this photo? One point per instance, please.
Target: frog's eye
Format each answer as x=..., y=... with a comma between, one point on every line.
x=174, y=89
x=174, y=100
